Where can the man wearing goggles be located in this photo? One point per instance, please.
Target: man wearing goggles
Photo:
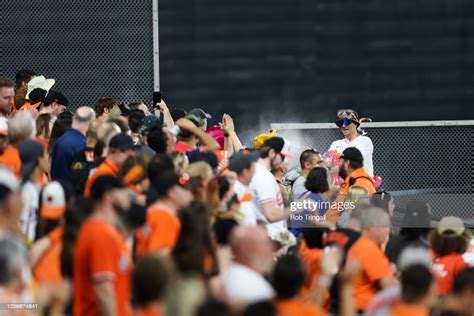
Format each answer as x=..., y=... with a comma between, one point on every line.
x=349, y=123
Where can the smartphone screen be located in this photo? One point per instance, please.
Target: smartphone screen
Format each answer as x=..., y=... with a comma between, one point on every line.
x=156, y=98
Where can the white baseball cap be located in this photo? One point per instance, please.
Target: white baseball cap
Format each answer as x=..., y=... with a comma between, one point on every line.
x=53, y=202
x=451, y=223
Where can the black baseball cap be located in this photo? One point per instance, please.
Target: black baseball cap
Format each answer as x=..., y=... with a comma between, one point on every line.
x=125, y=109
x=280, y=145
x=121, y=141
x=243, y=160
x=200, y=113
x=104, y=184
x=352, y=154
x=37, y=95
x=30, y=151
x=56, y=96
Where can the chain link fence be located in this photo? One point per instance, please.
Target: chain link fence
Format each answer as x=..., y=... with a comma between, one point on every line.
x=92, y=48
x=431, y=161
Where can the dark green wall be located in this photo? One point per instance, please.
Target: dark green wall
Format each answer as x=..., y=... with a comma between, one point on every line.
x=300, y=60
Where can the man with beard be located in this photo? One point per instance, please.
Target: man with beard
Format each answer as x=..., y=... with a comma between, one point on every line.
x=120, y=148
x=102, y=261
x=351, y=169
x=264, y=187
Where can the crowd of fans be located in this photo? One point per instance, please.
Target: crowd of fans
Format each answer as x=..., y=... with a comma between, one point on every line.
x=115, y=209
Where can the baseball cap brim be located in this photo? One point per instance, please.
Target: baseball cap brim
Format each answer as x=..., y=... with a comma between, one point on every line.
x=51, y=212
x=201, y=113
x=27, y=168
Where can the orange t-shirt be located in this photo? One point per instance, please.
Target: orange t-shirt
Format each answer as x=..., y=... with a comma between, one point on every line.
x=161, y=231
x=446, y=269
x=293, y=307
x=374, y=267
x=48, y=269
x=148, y=311
x=11, y=159
x=105, y=168
x=101, y=254
x=402, y=309
x=362, y=180
x=311, y=259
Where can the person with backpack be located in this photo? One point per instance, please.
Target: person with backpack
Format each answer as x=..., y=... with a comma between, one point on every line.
x=351, y=169
x=362, y=239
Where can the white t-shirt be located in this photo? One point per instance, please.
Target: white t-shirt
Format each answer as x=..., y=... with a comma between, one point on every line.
x=30, y=194
x=247, y=210
x=244, y=285
x=265, y=189
x=364, y=144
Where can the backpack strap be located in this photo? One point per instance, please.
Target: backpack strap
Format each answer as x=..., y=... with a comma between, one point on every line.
x=352, y=180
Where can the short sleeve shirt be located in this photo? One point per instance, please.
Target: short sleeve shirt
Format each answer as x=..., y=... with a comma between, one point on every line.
x=264, y=188
x=101, y=254
x=374, y=267
x=161, y=231
x=364, y=144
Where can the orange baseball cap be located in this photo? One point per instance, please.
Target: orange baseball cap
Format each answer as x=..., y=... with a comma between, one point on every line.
x=53, y=202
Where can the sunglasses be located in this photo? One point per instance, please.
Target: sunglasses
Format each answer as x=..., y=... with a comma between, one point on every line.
x=345, y=112
x=344, y=122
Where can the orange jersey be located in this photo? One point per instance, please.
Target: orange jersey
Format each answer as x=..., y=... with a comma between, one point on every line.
x=161, y=231
x=101, y=254
x=293, y=307
x=11, y=159
x=362, y=179
x=48, y=268
x=311, y=259
x=401, y=309
x=446, y=269
x=374, y=267
x=105, y=168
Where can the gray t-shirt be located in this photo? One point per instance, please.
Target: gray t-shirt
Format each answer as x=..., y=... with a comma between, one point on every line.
x=298, y=188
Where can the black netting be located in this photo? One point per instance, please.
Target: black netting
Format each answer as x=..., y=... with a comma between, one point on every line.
x=434, y=164
x=92, y=48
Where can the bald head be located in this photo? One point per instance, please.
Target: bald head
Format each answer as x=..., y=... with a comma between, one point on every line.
x=375, y=224
x=252, y=247
x=82, y=118
x=84, y=115
x=374, y=217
